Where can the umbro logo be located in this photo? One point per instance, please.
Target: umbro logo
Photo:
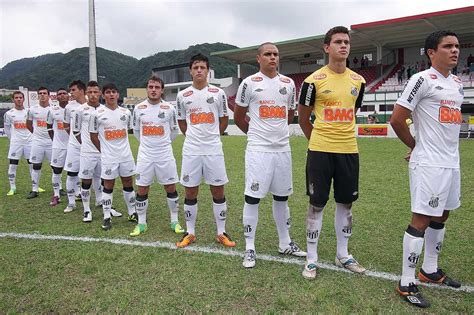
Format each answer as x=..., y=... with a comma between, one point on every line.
x=326, y=91
x=439, y=87
x=123, y=118
x=189, y=102
x=258, y=90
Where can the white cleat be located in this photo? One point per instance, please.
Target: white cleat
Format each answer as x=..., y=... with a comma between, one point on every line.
x=249, y=259
x=69, y=208
x=87, y=217
x=309, y=271
x=350, y=263
x=293, y=250
x=115, y=213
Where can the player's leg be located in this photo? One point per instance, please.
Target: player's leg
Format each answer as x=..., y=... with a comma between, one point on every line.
x=72, y=167
x=36, y=157
x=126, y=170
x=143, y=180
x=12, y=167
x=109, y=173
x=346, y=191
x=55, y=180
x=172, y=200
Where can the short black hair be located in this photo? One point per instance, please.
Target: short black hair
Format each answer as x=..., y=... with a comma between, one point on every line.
x=109, y=86
x=92, y=84
x=41, y=88
x=260, y=48
x=61, y=89
x=18, y=92
x=198, y=57
x=157, y=79
x=433, y=40
x=80, y=85
x=335, y=30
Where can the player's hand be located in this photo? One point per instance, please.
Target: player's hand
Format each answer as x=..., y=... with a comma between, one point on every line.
x=407, y=157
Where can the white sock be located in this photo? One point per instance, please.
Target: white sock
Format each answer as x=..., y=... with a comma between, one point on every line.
x=96, y=183
x=141, y=207
x=250, y=220
x=412, y=247
x=314, y=223
x=61, y=181
x=70, y=184
x=30, y=167
x=56, y=180
x=107, y=204
x=129, y=197
x=86, y=199
x=281, y=215
x=433, y=243
x=343, y=227
x=12, y=175
x=173, y=205
x=220, y=214
x=77, y=188
x=190, y=215
x=36, y=175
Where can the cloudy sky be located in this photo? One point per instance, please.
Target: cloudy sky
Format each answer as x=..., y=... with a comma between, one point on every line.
x=141, y=28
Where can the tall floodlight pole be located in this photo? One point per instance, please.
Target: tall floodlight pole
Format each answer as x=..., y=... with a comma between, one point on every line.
x=92, y=47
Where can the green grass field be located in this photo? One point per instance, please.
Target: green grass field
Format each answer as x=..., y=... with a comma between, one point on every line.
x=46, y=276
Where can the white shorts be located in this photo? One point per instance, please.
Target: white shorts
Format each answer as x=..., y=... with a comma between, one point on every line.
x=268, y=172
x=165, y=172
x=211, y=167
x=17, y=151
x=39, y=152
x=434, y=189
x=58, y=157
x=114, y=170
x=89, y=166
x=72, y=159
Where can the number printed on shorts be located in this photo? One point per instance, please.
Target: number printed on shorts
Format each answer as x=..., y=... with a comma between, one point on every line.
x=153, y=131
x=115, y=134
x=202, y=118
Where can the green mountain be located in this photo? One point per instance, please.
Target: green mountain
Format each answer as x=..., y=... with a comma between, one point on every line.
x=57, y=70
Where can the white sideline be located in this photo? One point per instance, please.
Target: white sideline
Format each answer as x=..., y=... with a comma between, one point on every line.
x=210, y=250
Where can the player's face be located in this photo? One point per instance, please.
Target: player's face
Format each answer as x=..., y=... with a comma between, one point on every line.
x=447, y=54
x=18, y=99
x=43, y=96
x=339, y=47
x=269, y=58
x=93, y=95
x=75, y=92
x=62, y=96
x=111, y=97
x=199, y=71
x=154, y=90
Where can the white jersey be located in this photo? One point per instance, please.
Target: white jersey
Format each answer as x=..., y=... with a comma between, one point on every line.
x=82, y=117
x=156, y=125
x=435, y=102
x=38, y=114
x=15, y=127
x=268, y=101
x=202, y=109
x=112, y=127
x=69, y=117
x=56, y=118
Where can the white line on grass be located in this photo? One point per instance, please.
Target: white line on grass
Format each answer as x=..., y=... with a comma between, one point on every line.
x=210, y=250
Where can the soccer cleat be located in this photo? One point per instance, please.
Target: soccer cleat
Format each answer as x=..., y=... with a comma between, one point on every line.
x=438, y=277
x=62, y=192
x=69, y=208
x=309, y=271
x=98, y=203
x=87, y=217
x=107, y=224
x=54, y=201
x=412, y=295
x=176, y=227
x=40, y=190
x=186, y=240
x=78, y=197
x=350, y=263
x=32, y=194
x=11, y=192
x=225, y=240
x=133, y=217
x=292, y=249
x=249, y=259
x=139, y=229
x=115, y=213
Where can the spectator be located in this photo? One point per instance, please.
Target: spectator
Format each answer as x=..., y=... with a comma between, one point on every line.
x=400, y=76
x=355, y=61
x=409, y=72
x=422, y=65
x=470, y=60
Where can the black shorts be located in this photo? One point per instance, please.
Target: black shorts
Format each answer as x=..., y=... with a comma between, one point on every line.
x=322, y=167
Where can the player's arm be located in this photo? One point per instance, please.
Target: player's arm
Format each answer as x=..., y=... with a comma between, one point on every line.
x=29, y=121
x=173, y=125
x=305, y=107
x=242, y=103
x=292, y=104
x=240, y=115
x=94, y=131
x=7, y=125
x=223, y=113
x=49, y=123
x=223, y=123
x=136, y=124
x=398, y=121
x=360, y=98
x=95, y=140
x=183, y=126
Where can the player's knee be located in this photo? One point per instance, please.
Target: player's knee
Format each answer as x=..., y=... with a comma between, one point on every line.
x=190, y=202
x=141, y=198
x=85, y=185
x=218, y=200
x=57, y=170
x=37, y=167
x=107, y=190
x=14, y=162
x=172, y=195
x=280, y=198
x=72, y=174
x=252, y=200
x=313, y=211
x=317, y=203
x=415, y=232
x=128, y=188
x=436, y=225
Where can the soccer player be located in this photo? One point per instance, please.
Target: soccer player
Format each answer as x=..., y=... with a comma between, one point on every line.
x=60, y=138
x=77, y=89
x=334, y=93
x=433, y=97
x=108, y=130
x=41, y=146
x=20, y=138
x=202, y=118
x=155, y=126
x=270, y=100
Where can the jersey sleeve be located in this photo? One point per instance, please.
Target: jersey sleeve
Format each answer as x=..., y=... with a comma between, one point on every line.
x=94, y=123
x=29, y=115
x=307, y=94
x=77, y=121
x=7, y=125
x=173, y=124
x=136, y=119
x=360, y=97
x=180, y=107
x=414, y=92
x=242, y=98
x=222, y=104
x=292, y=97
x=49, y=117
x=129, y=120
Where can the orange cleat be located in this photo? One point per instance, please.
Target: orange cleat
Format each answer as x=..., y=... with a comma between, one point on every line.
x=186, y=240
x=225, y=240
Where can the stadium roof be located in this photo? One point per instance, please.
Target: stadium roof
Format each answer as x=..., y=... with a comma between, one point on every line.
x=392, y=33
